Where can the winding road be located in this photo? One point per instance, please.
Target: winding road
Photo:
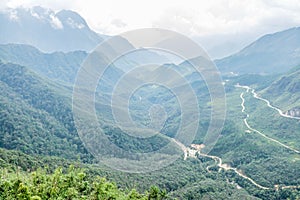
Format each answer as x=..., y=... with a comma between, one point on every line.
x=255, y=95
x=220, y=164
x=226, y=167
x=269, y=105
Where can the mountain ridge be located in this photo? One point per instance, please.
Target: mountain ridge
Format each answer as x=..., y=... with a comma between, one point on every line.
x=47, y=30
x=271, y=53
x=57, y=66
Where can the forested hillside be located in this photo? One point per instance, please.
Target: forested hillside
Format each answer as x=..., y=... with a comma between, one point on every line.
x=36, y=115
x=44, y=153
x=272, y=53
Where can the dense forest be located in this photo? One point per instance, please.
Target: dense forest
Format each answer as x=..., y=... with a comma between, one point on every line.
x=43, y=157
x=72, y=184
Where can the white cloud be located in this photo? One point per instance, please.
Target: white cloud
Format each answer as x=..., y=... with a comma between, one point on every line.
x=228, y=16
x=13, y=15
x=192, y=17
x=118, y=23
x=199, y=19
x=74, y=24
x=36, y=15
x=3, y=4
x=55, y=22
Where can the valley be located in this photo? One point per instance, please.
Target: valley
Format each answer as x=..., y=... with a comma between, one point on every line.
x=225, y=160
x=248, y=148
x=195, y=152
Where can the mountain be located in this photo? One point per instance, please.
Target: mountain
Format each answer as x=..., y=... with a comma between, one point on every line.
x=57, y=66
x=36, y=115
x=31, y=91
x=285, y=92
x=48, y=31
x=273, y=53
x=63, y=67
x=36, y=119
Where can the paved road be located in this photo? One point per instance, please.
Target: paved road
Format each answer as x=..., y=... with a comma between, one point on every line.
x=219, y=160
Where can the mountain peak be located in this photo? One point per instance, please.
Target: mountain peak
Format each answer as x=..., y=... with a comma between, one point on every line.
x=62, y=31
x=72, y=19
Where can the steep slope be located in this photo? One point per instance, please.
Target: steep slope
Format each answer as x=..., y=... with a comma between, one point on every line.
x=47, y=30
x=35, y=115
x=285, y=92
x=57, y=66
x=63, y=67
x=26, y=95
x=35, y=119
x=273, y=53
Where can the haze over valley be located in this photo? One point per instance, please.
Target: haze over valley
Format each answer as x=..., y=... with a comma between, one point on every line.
x=91, y=114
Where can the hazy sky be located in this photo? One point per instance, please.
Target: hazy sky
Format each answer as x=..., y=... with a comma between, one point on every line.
x=227, y=24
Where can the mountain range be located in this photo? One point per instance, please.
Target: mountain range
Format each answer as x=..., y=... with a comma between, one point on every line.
x=67, y=31
x=47, y=30
x=37, y=73
x=273, y=53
